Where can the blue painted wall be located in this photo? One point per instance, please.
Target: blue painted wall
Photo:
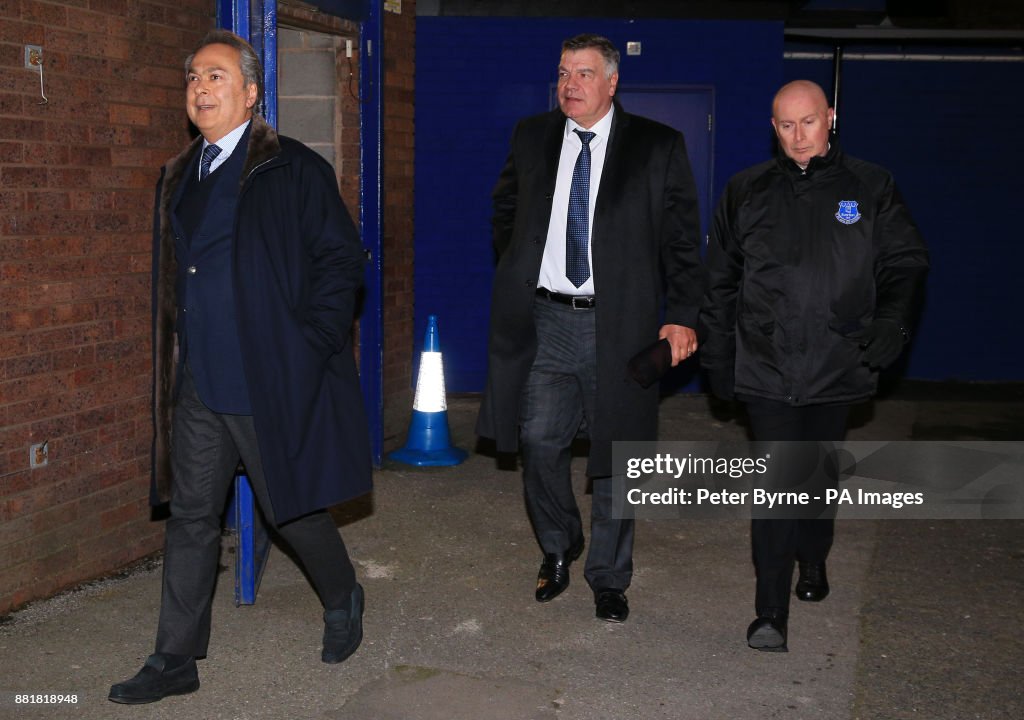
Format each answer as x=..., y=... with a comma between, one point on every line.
x=950, y=132
x=475, y=77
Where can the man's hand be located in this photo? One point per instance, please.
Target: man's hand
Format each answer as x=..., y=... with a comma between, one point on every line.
x=882, y=342
x=682, y=339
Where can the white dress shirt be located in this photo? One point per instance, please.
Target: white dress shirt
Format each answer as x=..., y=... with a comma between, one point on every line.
x=552, y=267
x=227, y=145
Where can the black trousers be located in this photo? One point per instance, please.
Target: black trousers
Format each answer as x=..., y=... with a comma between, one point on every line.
x=558, y=401
x=205, y=450
x=777, y=544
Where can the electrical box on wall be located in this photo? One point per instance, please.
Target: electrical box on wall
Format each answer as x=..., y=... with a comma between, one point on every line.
x=33, y=57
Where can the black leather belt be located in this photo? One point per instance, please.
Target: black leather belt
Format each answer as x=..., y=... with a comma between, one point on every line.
x=576, y=302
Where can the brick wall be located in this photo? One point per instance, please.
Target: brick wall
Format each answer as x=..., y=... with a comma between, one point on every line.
x=346, y=127
x=399, y=145
x=76, y=190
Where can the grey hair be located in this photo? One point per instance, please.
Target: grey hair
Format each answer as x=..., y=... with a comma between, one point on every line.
x=602, y=44
x=252, y=69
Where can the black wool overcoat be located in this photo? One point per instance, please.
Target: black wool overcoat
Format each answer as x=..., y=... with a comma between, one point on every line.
x=645, y=253
x=297, y=265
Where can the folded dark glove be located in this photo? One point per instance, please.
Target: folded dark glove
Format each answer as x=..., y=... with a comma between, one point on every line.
x=723, y=383
x=648, y=365
x=882, y=342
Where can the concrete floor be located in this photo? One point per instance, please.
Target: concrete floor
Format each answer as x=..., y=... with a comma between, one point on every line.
x=924, y=619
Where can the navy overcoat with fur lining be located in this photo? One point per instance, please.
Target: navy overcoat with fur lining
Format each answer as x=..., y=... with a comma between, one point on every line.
x=297, y=267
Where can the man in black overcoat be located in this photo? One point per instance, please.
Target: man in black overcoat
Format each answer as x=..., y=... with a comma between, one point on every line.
x=256, y=266
x=596, y=230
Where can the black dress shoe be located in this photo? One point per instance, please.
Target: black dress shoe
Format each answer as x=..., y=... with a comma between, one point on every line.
x=611, y=605
x=768, y=632
x=812, y=585
x=553, y=577
x=343, y=629
x=155, y=681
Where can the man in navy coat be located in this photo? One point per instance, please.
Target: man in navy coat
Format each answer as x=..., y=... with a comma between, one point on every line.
x=256, y=267
x=596, y=230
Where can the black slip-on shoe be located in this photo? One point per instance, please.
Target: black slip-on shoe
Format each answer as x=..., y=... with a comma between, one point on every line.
x=155, y=681
x=343, y=629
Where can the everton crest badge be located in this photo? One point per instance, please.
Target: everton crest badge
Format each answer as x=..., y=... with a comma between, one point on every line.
x=848, y=213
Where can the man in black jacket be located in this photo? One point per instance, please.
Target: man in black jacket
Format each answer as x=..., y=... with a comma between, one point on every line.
x=814, y=263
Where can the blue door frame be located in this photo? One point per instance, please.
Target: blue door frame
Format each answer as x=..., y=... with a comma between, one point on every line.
x=371, y=208
x=256, y=21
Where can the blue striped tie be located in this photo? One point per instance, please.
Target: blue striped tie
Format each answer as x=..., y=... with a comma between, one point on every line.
x=209, y=153
x=577, y=265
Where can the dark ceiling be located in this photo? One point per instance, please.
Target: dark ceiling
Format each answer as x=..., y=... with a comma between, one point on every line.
x=918, y=14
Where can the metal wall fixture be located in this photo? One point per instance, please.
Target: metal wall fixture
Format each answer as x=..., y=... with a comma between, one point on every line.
x=34, y=61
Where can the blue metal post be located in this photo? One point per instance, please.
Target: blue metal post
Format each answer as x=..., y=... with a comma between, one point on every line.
x=233, y=15
x=270, y=62
x=253, y=544
x=262, y=29
x=253, y=540
x=371, y=327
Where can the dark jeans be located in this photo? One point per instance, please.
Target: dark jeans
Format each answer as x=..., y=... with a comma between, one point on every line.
x=205, y=450
x=557, y=403
x=776, y=544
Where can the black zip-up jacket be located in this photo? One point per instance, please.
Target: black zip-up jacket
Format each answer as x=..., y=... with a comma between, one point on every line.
x=801, y=262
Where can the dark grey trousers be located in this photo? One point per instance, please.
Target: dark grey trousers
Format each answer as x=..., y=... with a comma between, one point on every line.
x=558, y=401
x=205, y=450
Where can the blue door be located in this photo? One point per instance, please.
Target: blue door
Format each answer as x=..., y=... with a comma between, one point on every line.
x=689, y=110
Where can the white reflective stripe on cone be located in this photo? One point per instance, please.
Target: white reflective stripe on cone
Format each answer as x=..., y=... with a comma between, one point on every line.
x=430, y=384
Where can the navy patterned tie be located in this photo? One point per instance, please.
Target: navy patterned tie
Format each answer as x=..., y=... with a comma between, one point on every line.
x=577, y=266
x=209, y=153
